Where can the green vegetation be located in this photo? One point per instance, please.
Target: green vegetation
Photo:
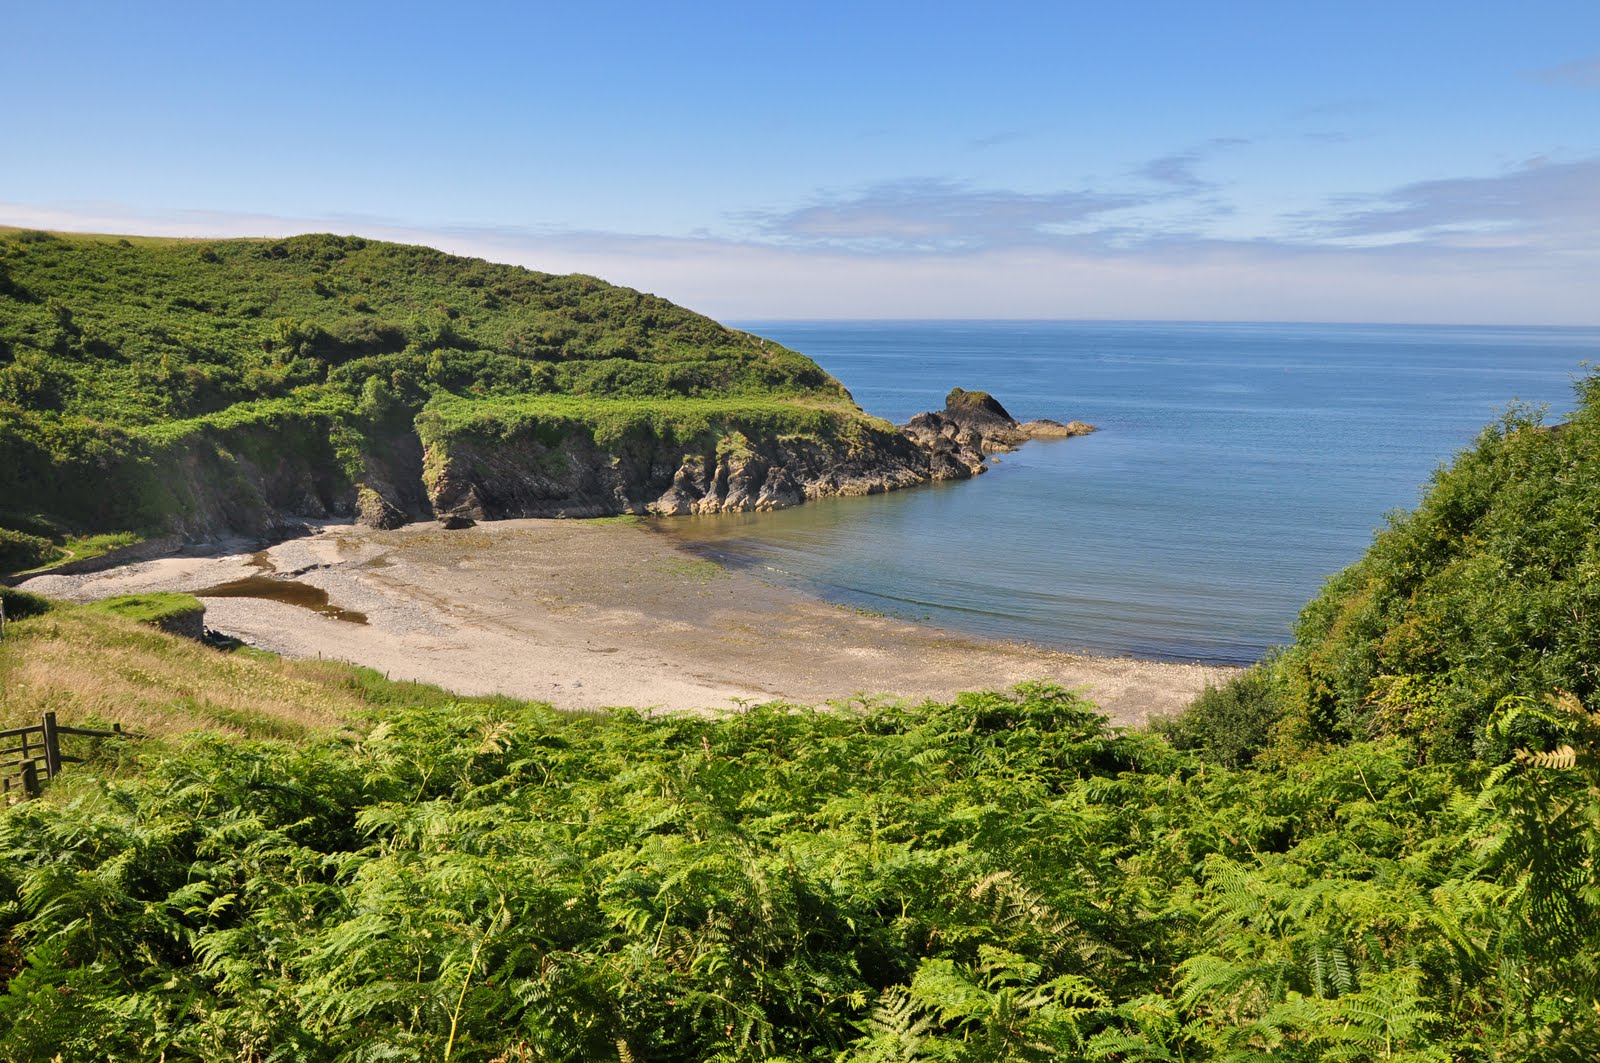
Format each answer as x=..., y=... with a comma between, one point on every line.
x=611, y=422
x=1487, y=595
x=1382, y=843
x=20, y=604
x=20, y=551
x=154, y=609
x=996, y=878
x=219, y=381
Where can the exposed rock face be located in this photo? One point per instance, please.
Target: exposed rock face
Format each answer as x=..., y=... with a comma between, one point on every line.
x=375, y=510
x=531, y=475
x=190, y=625
x=972, y=426
x=954, y=451
x=524, y=477
x=981, y=415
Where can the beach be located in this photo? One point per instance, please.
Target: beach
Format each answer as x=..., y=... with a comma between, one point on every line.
x=595, y=614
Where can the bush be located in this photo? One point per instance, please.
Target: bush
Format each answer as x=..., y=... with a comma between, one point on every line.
x=20, y=551
x=1231, y=723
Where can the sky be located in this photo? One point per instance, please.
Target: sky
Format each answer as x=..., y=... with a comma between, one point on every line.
x=1287, y=161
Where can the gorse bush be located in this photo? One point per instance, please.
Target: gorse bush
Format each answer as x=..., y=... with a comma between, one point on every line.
x=1001, y=877
x=1230, y=723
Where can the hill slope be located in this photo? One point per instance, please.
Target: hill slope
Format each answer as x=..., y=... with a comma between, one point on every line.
x=203, y=386
x=1485, y=598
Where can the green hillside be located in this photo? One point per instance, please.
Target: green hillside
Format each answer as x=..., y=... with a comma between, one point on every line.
x=144, y=382
x=1485, y=598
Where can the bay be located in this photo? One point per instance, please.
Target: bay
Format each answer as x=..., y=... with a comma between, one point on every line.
x=1237, y=466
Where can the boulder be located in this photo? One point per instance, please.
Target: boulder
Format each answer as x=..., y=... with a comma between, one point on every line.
x=1045, y=428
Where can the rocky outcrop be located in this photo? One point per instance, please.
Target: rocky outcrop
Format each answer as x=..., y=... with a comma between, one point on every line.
x=537, y=472
x=972, y=426
x=526, y=476
x=249, y=479
x=1048, y=429
x=190, y=624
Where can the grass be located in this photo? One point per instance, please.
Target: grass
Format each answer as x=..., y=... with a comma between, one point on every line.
x=610, y=421
x=144, y=381
x=153, y=609
x=94, y=665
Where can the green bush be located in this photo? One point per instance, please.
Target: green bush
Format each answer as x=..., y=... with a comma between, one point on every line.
x=21, y=604
x=20, y=551
x=1231, y=723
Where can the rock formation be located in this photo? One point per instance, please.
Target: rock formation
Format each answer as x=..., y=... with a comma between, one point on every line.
x=530, y=476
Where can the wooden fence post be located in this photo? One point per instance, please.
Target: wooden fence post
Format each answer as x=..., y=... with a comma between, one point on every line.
x=30, y=778
x=52, y=746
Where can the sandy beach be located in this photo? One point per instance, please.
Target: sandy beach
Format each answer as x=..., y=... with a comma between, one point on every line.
x=587, y=614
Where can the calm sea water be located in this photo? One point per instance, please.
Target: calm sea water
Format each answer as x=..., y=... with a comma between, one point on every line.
x=1237, y=467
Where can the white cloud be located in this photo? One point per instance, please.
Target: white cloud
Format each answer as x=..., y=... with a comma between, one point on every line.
x=1517, y=248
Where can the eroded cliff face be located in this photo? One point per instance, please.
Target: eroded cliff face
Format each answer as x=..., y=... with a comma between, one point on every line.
x=263, y=480
x=527, y=475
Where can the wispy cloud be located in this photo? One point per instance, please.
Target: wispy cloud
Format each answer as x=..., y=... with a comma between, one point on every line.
x=1540, y=203
x=926, y=215
x=994, y=140
x=1178, y=169
x=1518, y=247
x=938, y=216
x=1578, y=74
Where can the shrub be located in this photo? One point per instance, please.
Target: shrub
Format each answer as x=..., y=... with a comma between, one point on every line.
x=1231, y=723
x=21, y=604
x=20, y=551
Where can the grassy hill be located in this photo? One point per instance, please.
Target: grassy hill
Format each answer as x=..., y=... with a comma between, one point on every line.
x=158, y=384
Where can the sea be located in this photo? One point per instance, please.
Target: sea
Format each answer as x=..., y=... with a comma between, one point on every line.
x=1236, y=467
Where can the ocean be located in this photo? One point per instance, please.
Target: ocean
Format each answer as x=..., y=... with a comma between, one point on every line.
x=1237, y=466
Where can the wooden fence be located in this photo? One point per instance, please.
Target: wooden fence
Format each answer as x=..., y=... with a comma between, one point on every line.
x=36, y=750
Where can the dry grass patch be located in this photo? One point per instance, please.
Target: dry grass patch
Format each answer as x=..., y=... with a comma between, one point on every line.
x=90, y=668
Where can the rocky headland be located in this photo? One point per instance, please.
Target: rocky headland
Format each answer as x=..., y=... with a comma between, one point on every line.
x=276, y=384
x=733, y=470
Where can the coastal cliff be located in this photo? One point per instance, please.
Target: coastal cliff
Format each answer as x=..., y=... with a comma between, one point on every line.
x=246, y=386
x=553, y=466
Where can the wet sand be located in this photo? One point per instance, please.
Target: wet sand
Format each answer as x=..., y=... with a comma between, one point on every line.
x=587, y=614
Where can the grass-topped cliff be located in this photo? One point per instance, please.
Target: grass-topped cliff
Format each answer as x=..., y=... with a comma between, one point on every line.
x=199, y=385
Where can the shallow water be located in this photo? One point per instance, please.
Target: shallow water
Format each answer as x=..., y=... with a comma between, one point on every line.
x=1236, y=468
x=287, y=591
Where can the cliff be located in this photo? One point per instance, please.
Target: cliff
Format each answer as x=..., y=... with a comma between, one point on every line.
x=238, y=386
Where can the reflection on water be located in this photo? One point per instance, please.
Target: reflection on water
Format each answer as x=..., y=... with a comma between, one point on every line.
x=287, y=591
x=1237, y=467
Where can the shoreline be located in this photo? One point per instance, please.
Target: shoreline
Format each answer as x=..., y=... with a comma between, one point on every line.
x=593, y=614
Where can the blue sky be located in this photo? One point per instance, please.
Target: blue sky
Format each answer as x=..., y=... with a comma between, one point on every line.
x=1240, y=161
